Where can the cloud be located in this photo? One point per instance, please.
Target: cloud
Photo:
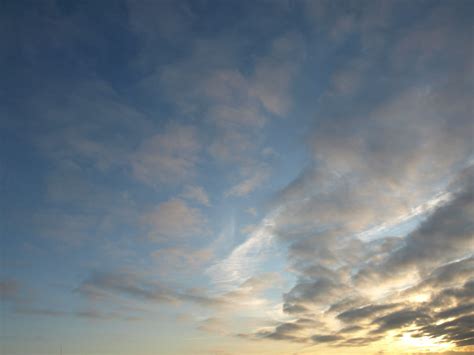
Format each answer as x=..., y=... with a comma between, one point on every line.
x=274, y=73
x=196, y=193
x=284, y=331
x=131, y=295
x=313, y=292
x=252, y=211
x=79, y=113
x=105, y=284
x=429, y=245
x=175, y=259
x=377, y=227
x=249, y=293
x=395, y=166
x=236, y=105
x=458, y=331
x=399, y=319
x=244, y=259
x=326, y=338
x=361, y=313
x=248, y=185
x=174, y=221
x=168, y=157
x=456, y=311
x=213, y=325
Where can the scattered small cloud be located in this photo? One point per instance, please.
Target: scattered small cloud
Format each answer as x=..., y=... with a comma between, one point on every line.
x=196, y=193
x=167, y=158
x=174, y=221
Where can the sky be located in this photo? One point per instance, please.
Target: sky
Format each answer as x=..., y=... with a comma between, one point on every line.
x=236, y=177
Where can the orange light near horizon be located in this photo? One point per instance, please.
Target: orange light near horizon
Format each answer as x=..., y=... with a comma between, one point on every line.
x=423, y=343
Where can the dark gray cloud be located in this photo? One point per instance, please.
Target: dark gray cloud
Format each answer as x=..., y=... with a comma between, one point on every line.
x=456, y=311
x=350, y=329
x=459, y=331
x=326, y=338
x=361, y=313
x=447, y=233
x=451, y=273
x=294, y=308
x=346, y=304
x=277, y=334
x=284, y=331
x=454, y=295
x=102, y=284
x=312, y=291
x=399, y=319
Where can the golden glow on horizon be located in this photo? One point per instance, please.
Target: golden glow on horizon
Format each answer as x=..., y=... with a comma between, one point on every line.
x=423, y=343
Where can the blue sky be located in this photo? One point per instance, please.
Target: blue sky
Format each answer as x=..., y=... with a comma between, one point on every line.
x=229, y=177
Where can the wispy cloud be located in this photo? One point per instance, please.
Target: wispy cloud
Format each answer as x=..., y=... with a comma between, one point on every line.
x=244, y=260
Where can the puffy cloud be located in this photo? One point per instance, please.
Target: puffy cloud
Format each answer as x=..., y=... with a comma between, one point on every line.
x=249, y=184
x=77, y=115
x=173, y=259
x=196, y=193
x=235, y=105
x=71, y=229
x=378, y=240
x=175, y=221
x=167, y=157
